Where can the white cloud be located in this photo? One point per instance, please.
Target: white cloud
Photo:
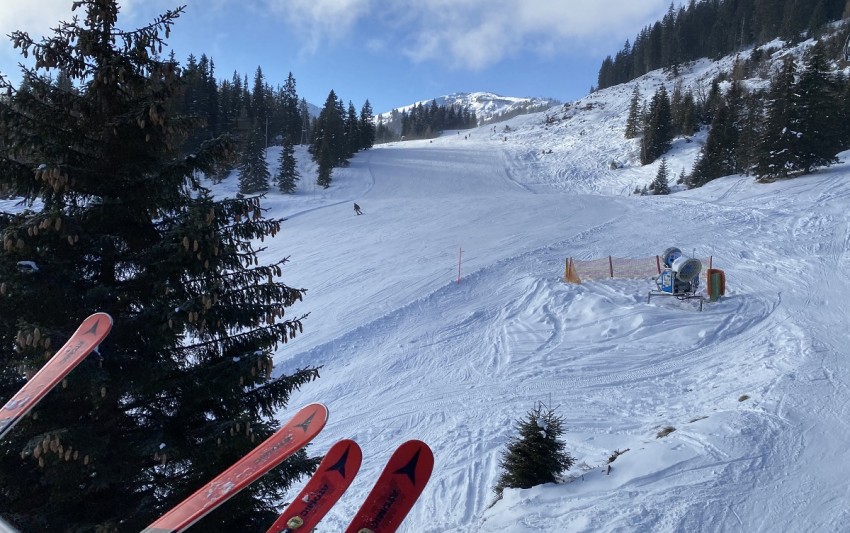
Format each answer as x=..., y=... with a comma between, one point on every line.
x=478, y=33
x=319, y=21
x=35, y=18
x=38, y=18
x=470, y=33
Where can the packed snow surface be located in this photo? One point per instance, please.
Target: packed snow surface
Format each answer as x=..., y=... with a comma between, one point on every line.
x=441, y=315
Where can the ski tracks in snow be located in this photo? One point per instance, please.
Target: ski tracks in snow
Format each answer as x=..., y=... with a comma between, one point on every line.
x=455, y=364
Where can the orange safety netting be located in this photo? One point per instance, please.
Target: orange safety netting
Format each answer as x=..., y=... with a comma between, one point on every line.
x=577, y=270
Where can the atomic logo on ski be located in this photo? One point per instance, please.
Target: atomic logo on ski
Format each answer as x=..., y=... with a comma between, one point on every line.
x=409, y=469
x=305, y=425
x=324, y=488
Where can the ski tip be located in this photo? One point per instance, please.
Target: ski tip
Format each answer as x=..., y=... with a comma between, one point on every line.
x=98, y=324
x=345, y=452
x=316, y=408
x=419, y=462
x=101, y=315
x=347, y=442
x=424, y=449
x=311, y=418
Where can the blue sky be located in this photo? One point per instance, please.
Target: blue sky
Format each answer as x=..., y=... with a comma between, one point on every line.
x=393, y=52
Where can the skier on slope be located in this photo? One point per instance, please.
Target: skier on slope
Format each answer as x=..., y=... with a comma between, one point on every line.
x=357, y=210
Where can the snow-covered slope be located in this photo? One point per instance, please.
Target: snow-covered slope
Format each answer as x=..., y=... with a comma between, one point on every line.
x=488, y=107
x=440, y=314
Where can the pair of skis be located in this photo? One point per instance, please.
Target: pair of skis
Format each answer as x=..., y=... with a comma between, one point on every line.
x=391, y=498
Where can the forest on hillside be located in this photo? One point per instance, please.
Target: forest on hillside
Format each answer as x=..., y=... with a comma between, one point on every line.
x=716, y=28
x=793, y=125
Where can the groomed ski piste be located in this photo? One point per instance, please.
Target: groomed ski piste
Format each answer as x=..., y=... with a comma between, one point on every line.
x=755, y=386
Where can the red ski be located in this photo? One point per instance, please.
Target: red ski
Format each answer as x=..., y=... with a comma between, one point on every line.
x=396, y=490
x=332, y=478
x=87, y=337
x=291, y=437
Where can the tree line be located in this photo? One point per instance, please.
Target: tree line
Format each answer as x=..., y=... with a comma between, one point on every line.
x=424, y=121
x=716, y=28
x=260, y=115
x=799, y=122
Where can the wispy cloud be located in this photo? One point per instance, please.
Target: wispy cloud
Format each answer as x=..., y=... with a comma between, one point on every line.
x=321, y=21
x=470, y=34
x=35, y=18
x=38, y=18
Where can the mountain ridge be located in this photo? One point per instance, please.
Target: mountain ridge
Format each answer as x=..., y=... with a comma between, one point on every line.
x=488, y=106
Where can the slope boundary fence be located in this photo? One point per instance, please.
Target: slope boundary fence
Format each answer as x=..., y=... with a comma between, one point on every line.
x=578, y=270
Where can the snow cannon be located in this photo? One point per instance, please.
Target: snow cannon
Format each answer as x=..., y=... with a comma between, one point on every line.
x=679, y=276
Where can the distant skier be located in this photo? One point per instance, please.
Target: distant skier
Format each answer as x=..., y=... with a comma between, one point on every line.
x=357, y=210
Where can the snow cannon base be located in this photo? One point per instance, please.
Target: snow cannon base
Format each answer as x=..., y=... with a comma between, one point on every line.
x=678, y=278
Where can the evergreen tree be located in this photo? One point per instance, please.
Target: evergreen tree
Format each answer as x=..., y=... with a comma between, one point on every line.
x=713, y=101
x=816, y=102
x=304, y=113
x=633, y=120
x=778, y=147
x=328, y=146
x=683, y=111
x=352, y=132
x=64, y=83
x=795, y=20
x=749, y=126
x=383, y=134
x=259, y=100
x=658, y=130
x=535, y=456
x=688, y=119
x=366, y=126
x=254, y=173
x=292, y=121
x=325, y=164
x=717, y=157
x=200, y=100
x=248, y=102
x=287, y=174
x=661, y=183
x=844, y=112
x=182, y=386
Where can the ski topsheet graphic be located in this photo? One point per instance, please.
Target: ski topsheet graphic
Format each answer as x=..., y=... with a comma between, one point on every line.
x=87, y=337
x=323, y=490
x=290, y=438
x=396, y=490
